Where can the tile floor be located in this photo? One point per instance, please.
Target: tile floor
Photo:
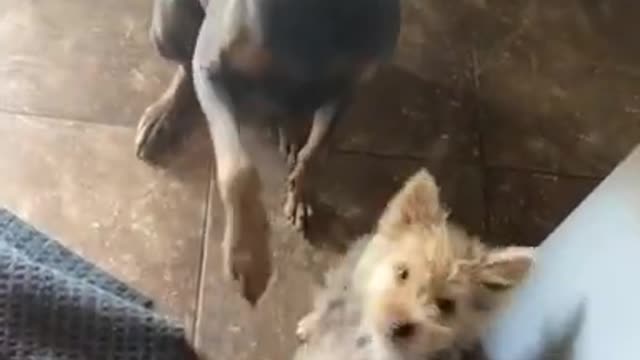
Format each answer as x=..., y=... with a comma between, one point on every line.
x=520, y=107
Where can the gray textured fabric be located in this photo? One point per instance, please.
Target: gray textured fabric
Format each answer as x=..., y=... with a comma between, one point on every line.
x=56, y=306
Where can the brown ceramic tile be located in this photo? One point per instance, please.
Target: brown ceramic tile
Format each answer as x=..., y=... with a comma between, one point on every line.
x=402, y=115
x=79, y=59
x=353, y=189
x=525, y=207
x=558, y=90
x=83, y=185
x=435, y=39
x=350, y=192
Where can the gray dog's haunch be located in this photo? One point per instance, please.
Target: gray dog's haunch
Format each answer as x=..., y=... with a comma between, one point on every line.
x=298, y=60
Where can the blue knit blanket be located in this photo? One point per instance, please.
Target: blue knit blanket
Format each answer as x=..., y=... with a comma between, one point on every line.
x=54, y=305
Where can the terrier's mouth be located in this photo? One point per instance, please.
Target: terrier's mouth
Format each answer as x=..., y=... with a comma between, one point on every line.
x=401, y=331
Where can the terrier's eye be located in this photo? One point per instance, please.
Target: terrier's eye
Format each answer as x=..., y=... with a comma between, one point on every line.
x=402, y=272
x=446, y=306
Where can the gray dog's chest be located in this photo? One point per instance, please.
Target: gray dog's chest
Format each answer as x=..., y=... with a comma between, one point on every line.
x=316, y=49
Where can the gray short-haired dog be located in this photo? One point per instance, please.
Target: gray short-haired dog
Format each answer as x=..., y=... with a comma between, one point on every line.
x=297, y=60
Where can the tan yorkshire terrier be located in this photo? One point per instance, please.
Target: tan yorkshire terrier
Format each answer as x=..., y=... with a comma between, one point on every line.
x=419, y=288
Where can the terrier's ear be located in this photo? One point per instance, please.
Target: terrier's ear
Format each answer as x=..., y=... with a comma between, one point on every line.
x=417, y=203
x=504, y=268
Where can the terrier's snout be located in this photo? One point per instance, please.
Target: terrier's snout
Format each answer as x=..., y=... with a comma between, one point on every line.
x=402, y=330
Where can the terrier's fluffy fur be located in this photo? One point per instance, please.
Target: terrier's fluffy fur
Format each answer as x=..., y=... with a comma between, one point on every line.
x=418, y=288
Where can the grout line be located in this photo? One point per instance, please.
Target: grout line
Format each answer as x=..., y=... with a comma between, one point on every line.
x=531, y=171
x=62, y=118
x=203, y=256
x=477, y=129
x=407, y=157
x=482, y=164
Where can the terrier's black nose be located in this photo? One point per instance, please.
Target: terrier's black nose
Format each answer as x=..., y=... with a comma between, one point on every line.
x=401, y=331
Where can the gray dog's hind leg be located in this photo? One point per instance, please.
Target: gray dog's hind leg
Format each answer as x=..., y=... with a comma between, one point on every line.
x=174, y=30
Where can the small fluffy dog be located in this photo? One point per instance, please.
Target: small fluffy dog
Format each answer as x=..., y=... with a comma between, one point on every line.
x=418, y=288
